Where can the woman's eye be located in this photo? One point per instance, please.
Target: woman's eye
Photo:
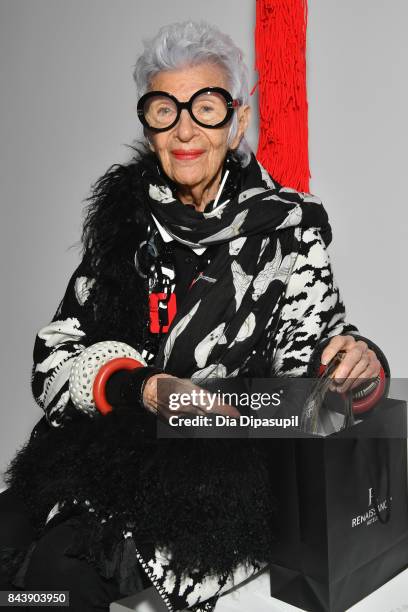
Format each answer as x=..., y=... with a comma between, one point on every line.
x=164, y=110
x=205, y=109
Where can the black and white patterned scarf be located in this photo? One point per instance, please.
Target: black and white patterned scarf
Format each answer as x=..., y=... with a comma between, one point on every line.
x=232, y=309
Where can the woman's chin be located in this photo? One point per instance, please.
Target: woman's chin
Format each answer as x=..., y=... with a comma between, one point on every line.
x=187, y=177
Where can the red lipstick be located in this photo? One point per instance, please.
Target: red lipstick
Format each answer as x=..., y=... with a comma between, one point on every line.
x=187, y=153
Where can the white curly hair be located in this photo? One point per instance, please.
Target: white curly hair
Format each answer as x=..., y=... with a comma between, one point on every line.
x=191, y=43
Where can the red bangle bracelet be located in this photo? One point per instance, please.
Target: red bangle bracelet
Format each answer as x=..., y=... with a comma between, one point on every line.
x=365, y=404
x=103, y=375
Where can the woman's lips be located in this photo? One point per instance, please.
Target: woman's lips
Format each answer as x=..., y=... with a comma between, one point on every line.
x=187, y=153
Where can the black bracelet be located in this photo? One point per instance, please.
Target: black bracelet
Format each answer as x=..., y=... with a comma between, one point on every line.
x=366, y=388
x=125, y=387
x=149, y=372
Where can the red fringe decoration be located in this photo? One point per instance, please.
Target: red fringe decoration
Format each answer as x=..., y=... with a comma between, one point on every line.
x=280, y=47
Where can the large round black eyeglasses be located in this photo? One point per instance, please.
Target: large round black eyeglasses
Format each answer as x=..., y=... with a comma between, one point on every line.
x=211, y=107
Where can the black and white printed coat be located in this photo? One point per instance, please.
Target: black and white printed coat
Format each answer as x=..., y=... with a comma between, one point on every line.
x=312, y=309
x=311, y=312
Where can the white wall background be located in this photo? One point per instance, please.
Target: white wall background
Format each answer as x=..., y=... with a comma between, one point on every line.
x=67, y=108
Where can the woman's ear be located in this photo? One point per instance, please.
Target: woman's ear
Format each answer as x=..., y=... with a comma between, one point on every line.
x=244, y=115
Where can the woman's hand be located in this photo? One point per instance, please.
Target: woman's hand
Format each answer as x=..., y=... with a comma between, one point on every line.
x=359, y=363
x=156, y=398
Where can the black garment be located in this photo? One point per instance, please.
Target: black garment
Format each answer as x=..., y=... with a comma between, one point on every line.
x=16, y=530
x=49, y=567
x=188, y=265
x=96, y=459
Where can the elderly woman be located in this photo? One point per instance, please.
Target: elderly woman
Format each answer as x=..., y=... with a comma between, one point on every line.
x=197, y=264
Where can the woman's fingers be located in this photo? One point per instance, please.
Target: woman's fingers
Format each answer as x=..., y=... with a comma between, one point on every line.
x=205, y=402
x=358, y=364
x=354, y=354
x=168, y=395
x=371, y=370
x=224, y=409
x=336, y=344
x=367, y=368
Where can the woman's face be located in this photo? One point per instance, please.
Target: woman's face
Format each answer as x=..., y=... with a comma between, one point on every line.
x=208, y=147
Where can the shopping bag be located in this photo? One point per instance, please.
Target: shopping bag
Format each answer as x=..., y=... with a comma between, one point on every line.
x=343, y=510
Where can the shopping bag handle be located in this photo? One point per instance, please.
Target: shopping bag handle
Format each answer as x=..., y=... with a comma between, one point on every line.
x=309, y=421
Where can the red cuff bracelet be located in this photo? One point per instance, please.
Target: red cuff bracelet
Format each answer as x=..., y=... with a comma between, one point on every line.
x=103, y=375
x=360, y=406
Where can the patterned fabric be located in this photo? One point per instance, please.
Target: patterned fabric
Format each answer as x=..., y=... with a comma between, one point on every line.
x=237, y=300
x=192, y=592
x=249, y=271
x=87, y=365
x=268, y=295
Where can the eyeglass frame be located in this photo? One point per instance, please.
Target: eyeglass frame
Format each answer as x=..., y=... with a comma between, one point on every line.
x=232, y=104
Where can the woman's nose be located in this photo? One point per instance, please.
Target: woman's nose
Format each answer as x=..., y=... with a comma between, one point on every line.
x=185, y=126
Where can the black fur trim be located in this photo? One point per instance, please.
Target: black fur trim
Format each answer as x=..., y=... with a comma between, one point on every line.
x=207, y=501
x=116, y=221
